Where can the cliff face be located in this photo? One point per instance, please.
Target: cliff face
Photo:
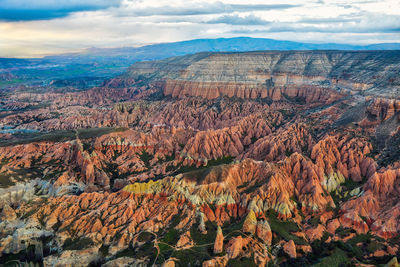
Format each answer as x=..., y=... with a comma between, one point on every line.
x=316, y=76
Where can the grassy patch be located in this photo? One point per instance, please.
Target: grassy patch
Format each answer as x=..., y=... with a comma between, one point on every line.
x=5, y=181
x=210, y=163
x=77, y=244
x=56, y=136
x=284, y=228
x=145, y=157
x=96, y=132
x=192, y=257
x=337, y=258
x=171, y=237
x=343, y=232
x=59, y=136
x=201, y=239
x=243, y=261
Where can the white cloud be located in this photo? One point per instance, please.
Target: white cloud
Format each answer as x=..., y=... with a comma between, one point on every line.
x=136, y=22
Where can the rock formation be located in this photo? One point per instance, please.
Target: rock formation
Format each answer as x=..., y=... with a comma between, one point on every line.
x=211, y=159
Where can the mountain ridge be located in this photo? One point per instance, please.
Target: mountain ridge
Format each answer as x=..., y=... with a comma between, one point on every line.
x=259, y=73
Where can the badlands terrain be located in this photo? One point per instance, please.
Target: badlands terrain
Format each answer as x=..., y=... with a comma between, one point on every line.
x=275, y=158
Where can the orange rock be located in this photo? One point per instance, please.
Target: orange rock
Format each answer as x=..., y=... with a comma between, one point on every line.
x=264, y=232
x=234, y=247
x=290, y=248
x=219, y=241
x=185, y=241
x=216, y=262
x=250, y=223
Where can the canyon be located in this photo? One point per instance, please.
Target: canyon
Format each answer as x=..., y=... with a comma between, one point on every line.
x=288, y=158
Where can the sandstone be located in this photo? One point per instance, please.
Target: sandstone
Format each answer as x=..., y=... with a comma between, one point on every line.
x=8, y=213
x=216, y=262
x=185, y=241
x=219, y=241
x=250, y=223
x=234, y=247
x=264, y=232
x=290, y=248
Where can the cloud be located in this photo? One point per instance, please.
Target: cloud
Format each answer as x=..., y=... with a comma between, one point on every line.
x=329, y=20
x=199, y=8
x=368, y=25
x=53, y=26
x=20, y=10
x=237, y=20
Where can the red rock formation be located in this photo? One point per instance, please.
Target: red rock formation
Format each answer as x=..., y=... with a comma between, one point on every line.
x=219, y=241
x=234, y=246
x=383, y=108
x=264, y=232
x=290, y=249
x=207, y=145
x=250, y=223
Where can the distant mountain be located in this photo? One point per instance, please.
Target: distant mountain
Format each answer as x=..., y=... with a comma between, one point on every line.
x=164, y=50
x=109, y=62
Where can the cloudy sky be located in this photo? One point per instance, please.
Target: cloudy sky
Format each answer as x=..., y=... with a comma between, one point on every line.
x=31, y=28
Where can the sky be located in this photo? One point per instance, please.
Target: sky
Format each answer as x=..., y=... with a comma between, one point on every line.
x=32, y=28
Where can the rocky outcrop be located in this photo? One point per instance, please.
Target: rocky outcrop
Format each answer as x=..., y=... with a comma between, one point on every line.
x=383, y=109
x=234, y=247
x=219, y=241
x=250, y=223
x=310, y=75
x=264, y=232
x=290, y=249
x=217, y=144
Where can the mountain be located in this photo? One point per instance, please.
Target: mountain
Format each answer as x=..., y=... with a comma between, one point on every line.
x=272, y=74
x=96, y=64
x=164, y=50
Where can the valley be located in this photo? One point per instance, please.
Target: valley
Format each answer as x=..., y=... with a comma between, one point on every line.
x=266, y=158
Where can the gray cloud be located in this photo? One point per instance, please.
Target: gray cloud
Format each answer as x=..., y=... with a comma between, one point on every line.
x=19, y=10
x=203, y=9
x=237, y=20
x=329, y=20
x=363, y=22
x=131, y=22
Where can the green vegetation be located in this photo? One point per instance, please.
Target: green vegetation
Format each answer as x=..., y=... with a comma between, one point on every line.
x=338, y=258
x=56, y=136
x=210, y=163
x=314, y=221
x=253, y=187
x=104, y=250
x=20, y=175
x=233, y=225
x=374, y=246
x=198, y=173
x=4, y=83
x=343, y=232
x=192, y=257
x=96, y=132
x=145, y=157
x=284, y=228
x=203, y=250
x=128, y=252
x=243, y=261
x=5, y=180
x=171, y=237
x=77, y=244
x=201, y=239
x=145, y=237
x=60, y=136
x=26, y=256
